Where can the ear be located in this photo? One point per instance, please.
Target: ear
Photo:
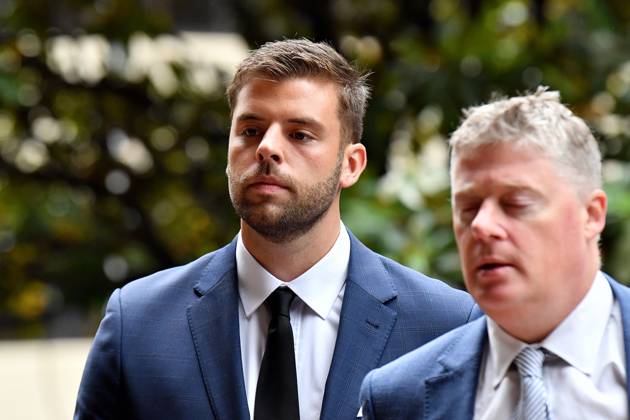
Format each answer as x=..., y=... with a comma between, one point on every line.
x=354, y=161
x=596, y=206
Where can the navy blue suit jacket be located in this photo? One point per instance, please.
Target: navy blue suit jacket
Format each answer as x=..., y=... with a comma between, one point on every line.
x=439, y=380
x=169, y=347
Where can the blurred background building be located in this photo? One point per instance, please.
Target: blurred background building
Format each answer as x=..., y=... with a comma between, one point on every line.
x=114, y=126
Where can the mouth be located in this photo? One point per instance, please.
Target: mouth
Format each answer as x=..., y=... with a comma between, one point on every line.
x=492, y=267
x=267, y=185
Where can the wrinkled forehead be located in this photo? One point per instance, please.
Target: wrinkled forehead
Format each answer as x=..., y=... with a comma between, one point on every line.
x=467, y=161
x=521, y=144
x=482, y=152
x=508, y=167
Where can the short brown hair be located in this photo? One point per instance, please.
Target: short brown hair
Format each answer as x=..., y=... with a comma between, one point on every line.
x=291, y=58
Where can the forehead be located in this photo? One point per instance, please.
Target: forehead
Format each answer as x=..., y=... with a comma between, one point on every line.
x=503, y=166
x=309, y=102
x=298, y=89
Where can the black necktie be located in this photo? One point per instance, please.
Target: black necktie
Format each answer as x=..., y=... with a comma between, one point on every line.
x=276, y=392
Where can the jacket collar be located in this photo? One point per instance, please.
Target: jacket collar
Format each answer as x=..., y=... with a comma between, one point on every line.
x=460, y=365
x=622, y=295
x=213, y=323
x=365, y=326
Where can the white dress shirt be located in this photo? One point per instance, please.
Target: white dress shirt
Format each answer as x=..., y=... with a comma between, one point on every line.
x=314, y=320
x=586, y=379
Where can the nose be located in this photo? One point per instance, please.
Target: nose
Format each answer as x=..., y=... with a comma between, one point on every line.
x=270, y=146
x=487, y=222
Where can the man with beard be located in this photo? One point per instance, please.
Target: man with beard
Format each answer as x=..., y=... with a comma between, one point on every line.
x=285, y=321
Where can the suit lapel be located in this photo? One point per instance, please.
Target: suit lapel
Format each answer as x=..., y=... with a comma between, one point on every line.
x=451, y=394
x=364, y=329
x=213, y=322
x=622, y=295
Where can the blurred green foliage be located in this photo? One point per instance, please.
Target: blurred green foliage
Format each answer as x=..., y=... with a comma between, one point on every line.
x=113, y=135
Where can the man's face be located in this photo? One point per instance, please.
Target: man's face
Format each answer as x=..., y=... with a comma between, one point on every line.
x=521, y=229
x=284, y=156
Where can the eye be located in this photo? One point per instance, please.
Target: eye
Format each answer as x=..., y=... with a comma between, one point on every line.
x=516, y=205
x=301, y=136
x=466, y=212
x=250, y=132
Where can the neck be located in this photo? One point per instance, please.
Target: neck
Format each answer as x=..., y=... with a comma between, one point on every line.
x=288, y=260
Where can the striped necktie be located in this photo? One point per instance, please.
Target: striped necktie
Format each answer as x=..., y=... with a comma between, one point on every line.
x=533, y=403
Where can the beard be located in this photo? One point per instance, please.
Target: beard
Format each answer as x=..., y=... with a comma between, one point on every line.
x=283, y=222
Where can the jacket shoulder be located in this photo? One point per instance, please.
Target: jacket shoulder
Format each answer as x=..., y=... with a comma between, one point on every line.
x=407, y=374
x=179, y=282
x=407, y=278
x=404, y=280
x=439, y=299
x=409, y=370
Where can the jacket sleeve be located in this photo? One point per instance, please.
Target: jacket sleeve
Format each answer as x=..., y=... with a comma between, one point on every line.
x=101, y=394
x=366, y=398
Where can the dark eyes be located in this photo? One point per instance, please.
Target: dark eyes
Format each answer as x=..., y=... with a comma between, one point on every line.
x=301, y=136
x=296, y=135
x=249, y=132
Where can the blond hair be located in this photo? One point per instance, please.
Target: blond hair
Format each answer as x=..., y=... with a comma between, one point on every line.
x=537, y=119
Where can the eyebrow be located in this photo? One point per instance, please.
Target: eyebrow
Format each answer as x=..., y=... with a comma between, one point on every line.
x=248, y=117
x=459, y=196
x=305, y=121
x=309, y=122
x=470, y=192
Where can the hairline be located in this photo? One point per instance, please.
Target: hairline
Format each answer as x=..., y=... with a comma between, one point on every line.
x=345, y=127
x=583, y=186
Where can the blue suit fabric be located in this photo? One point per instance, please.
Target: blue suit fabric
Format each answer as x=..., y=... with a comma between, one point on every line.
x=439, y=380
x=169, y=346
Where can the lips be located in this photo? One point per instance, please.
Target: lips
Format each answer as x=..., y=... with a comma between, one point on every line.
x=267, y=184
x=489, y=265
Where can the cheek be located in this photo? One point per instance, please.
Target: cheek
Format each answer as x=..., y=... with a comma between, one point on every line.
x=462, y=238
x=560, y=230
x=549, y=247
x=236, y=152
x=465, y=248
x=458, y=231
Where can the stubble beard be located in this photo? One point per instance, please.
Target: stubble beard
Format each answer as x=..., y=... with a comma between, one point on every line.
x=292, y=219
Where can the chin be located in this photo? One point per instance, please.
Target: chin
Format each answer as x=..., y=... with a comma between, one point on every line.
x=498, y=297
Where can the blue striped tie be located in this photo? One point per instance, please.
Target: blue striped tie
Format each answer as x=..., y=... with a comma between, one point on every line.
x=533, y=404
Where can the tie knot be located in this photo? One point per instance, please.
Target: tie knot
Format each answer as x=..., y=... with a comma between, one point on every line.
x=280, y=301
x=530, y=362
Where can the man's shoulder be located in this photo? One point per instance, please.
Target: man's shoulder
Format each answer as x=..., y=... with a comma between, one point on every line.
x=404, y=279
x=621, y=291
x=432, y=359
x=435, y=305
x=181, y=280
x=408, y=279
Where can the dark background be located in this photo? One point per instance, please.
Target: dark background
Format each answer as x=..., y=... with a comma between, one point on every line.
x=113, y=128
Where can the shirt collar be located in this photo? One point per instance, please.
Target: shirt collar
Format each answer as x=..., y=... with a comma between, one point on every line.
x=572, y=340
x=318, y=287
x=582, y=331
x=502, y=350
